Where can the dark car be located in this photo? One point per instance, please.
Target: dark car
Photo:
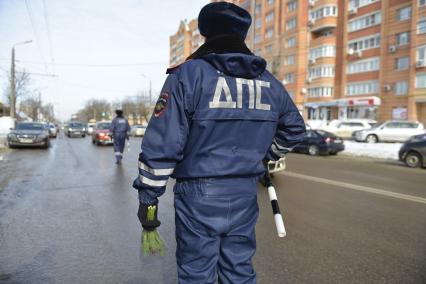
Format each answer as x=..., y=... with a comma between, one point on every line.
x=29, y=134
x=77, y=129
x=319, y=142
x=413, y=152
x=101, y=133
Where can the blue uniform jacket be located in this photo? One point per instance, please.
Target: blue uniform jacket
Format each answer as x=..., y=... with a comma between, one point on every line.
x=217, y=116
x=119, y=127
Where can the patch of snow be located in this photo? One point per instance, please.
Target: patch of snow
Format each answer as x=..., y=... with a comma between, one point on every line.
x=376, y=150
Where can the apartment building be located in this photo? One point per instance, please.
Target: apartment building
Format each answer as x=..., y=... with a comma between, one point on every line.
x=341, y=59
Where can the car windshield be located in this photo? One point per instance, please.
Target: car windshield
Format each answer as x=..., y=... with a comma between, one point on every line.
x=30, y=126
x=103, y=126
x=76, y=125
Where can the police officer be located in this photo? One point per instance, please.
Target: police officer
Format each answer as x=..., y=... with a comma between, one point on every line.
x=218, y=116
x=119, y=129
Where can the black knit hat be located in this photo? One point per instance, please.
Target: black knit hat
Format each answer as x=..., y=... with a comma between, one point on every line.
x=219, y=18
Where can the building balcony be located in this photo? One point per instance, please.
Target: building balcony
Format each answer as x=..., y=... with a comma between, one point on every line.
x=322, y=24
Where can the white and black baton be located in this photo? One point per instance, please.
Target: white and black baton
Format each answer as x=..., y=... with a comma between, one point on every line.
x=279, y=223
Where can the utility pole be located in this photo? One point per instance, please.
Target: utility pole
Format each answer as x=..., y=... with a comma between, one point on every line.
x=13, y=80
x=12, y=85
x=150, y=92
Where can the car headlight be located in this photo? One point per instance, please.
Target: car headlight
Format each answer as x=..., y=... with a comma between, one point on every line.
x=69, y=129
x=12, y=136
x=42, y=136
x=84, y=129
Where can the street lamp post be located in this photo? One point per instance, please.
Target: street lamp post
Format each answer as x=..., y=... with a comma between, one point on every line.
x=150, y=88
x=13, y=80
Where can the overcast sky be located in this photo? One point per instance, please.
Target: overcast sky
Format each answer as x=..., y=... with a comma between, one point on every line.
x=84, y=35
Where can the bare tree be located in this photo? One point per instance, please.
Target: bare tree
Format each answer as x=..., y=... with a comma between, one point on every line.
x=22, y=82
x=95, y=109
x=31, y=106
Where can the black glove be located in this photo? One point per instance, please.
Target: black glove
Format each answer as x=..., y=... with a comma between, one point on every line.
x=147, y=215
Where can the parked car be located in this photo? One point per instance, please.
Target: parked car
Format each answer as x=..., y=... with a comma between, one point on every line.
x=101, y=134
x=90, y=127
x=390, y=131
x=413, y=152
x=29, y=134
x=53, y=130
x=137, y=130
x=319, y=142
x=75, y=129
x=345, y=128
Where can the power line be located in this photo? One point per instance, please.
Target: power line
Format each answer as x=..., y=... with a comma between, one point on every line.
x=93, y=65
x=35, y=34
x=49, y=34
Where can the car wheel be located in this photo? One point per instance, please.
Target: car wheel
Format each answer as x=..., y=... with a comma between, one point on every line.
x=372, y=138
x=413, y=160
x=83, y=135
x=93, y=142
x=333, y=153
x=313, y=150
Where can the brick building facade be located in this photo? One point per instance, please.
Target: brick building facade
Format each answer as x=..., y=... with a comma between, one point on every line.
x=339, y=59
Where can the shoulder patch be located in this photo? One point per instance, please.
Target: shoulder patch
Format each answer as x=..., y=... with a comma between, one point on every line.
x=161, y=104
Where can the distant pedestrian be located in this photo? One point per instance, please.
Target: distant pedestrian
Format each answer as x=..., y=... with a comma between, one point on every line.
x=119, y=129
x=218, y=116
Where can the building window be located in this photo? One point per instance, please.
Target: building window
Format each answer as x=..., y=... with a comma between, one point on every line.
x=401, y=88
x=366, y=65
x=399, y=113
x=324, y=11
x=422, y=3
x=360, y=3
x=321, y=71
x=362, y=88
x=421, y=80
x=317, y=92
x=257, y=52
x=289, y=78
x=291, y=42
x=258, y=8
x=365, y=21
x=290, y=24
x=402, y=63
x=270, y=2
x=290, y=60
x=268, y=48
x=365, y=43
x=421, y=53
x=291, y=6
x=404, y=14
x=257, y=38
x=421, y=26
x=269, y=33
x=269, y=17
x=258, y=23
x=403, y=38
x=322, y=51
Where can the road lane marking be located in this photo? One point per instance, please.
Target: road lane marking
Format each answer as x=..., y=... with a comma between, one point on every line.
x=358, y=187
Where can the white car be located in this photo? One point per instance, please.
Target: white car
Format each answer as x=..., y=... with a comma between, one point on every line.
x=138, y=130
x=390, y=131
x=345, y=128
x=53, y=131
x=277, y=166
x=90, y=127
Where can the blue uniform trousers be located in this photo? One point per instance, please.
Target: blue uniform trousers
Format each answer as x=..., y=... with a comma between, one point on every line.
x=119, y=144
x=215, y=230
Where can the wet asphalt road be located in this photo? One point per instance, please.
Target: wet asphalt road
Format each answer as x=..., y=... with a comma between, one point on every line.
x=68, y=215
